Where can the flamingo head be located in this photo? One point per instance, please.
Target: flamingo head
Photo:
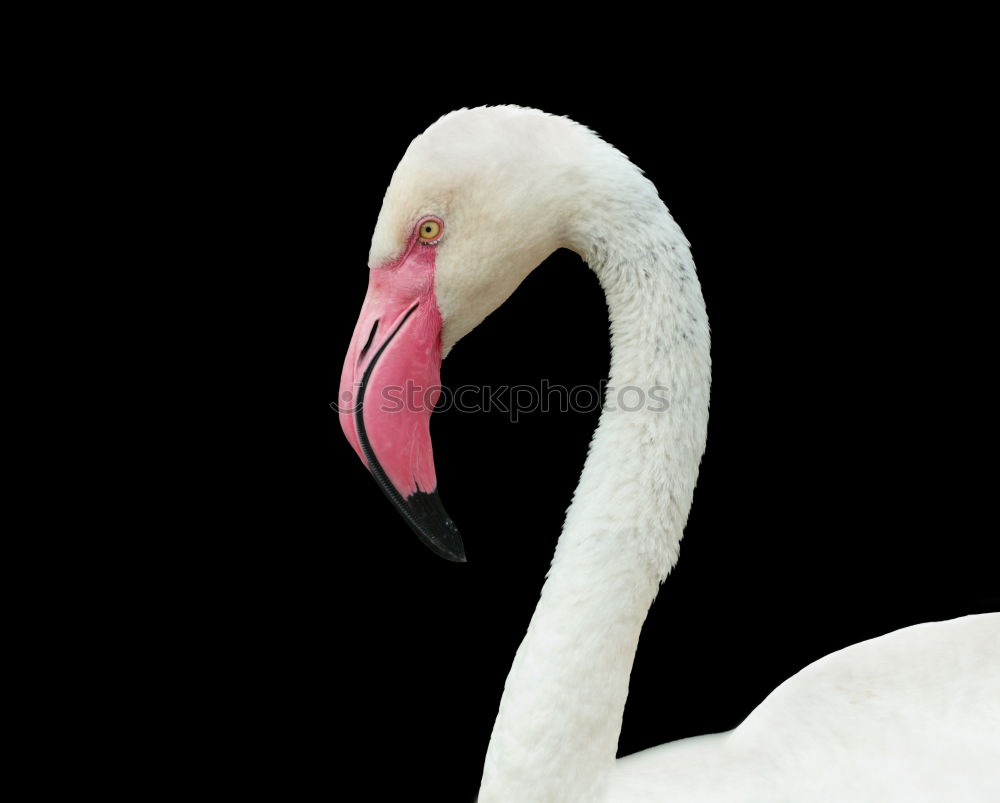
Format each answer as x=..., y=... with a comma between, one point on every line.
x=476, y=203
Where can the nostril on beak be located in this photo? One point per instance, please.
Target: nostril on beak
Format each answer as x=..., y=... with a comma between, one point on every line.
x=371, y=337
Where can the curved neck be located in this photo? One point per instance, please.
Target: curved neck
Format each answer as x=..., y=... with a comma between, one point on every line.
x=556, y=733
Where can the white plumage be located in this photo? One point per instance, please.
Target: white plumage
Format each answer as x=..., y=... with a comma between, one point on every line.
x=912, y=716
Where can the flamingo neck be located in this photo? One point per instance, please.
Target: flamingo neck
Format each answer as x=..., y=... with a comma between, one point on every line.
x=556, y=733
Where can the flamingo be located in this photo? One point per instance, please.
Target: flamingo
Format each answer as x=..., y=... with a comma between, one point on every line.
x=479, y=200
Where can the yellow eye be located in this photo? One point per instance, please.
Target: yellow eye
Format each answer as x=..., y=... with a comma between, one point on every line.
x=430, y=230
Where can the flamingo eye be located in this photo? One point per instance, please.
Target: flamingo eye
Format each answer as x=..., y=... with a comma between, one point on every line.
x=429, y=231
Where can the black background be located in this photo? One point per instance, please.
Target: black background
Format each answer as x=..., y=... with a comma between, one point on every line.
x=840, y=497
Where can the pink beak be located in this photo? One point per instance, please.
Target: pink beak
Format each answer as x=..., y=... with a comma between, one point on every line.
x=390, y=383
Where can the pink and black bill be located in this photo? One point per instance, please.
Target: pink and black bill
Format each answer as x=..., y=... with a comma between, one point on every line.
x=389, y=385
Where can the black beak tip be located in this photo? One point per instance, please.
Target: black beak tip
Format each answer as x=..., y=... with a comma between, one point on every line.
x=455, y=556
x=432, y=524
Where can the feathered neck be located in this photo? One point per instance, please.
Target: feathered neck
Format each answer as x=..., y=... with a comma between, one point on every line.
x=556, y=734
